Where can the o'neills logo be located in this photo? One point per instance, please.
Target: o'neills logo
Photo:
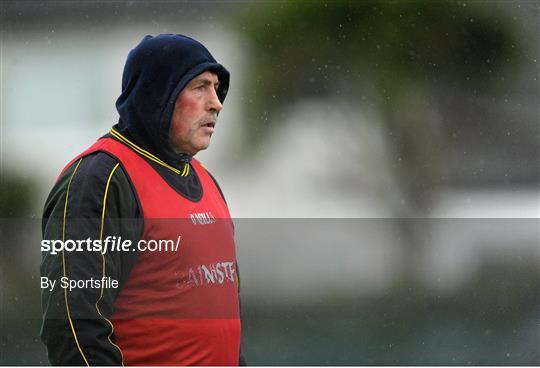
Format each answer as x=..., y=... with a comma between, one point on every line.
x=202, y=218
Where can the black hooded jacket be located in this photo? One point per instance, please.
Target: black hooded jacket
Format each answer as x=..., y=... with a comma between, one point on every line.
x=156, y=71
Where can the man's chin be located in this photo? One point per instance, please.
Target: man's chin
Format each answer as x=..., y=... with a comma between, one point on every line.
x=202, y=146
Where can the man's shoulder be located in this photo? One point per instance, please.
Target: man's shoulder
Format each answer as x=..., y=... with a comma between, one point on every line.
x=93, y=165
x=211, y=177
x=86, y=179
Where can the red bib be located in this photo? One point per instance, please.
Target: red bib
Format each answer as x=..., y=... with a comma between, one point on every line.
x=178, y=307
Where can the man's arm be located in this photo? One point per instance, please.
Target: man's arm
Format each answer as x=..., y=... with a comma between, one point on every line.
x=241, y=359
x=92, y=199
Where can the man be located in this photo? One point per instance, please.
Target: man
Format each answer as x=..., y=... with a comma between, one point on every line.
x=141, y=184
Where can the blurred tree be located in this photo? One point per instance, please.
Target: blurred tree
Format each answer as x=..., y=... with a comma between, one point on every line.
x=16, y=201
x=16, y=196
x=395, y=55
x=19, y=233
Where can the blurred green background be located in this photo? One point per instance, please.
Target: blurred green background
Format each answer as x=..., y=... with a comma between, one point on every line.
x=381, y=159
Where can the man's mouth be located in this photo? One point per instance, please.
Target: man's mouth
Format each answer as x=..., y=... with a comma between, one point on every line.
x=209, y=127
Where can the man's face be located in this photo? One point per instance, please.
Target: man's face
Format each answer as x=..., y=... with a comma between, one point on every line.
x=195, y=114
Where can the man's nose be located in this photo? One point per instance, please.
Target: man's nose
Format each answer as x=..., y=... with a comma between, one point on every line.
x=214, y=103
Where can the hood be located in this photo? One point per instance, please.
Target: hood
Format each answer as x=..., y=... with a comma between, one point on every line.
x=156, y=71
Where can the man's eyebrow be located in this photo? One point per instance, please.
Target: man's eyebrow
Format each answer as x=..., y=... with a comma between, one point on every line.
x=206, y=82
